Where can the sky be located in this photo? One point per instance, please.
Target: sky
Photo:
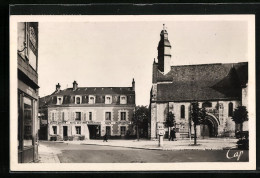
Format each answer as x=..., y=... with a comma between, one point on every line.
x=111, y=54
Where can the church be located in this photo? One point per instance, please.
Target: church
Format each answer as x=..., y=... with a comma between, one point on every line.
x=220, y=88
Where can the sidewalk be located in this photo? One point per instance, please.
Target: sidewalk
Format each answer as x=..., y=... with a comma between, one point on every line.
x=203, y=144
x=48, y=155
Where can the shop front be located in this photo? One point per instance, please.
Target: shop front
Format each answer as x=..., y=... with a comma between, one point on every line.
x=94, y=130
x=27, y=124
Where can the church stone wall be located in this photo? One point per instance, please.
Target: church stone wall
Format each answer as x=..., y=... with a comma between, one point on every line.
x=153, y=120
x=219, y=111
x=162, y=111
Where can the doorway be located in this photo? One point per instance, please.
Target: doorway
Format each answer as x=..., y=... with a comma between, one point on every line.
x=94, y=131
x=65, y=131
x=108, y=130
x=205, y=130
x=209, y=128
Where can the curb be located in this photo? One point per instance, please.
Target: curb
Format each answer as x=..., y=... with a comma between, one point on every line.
x=162, y=149
x=123, y=146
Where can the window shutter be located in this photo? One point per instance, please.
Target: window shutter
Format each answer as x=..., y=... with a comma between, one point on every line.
x=51, y=130
x=85, y=119
x=60, y=129
x=55, y=116
x=118, y=100
x=69, y=130
x=81, y=116
x=49, y=116
x=73, y=130
x=59, y=116
x=82, y=132
x=93, y=115
x=65, y=116
x=72, y=116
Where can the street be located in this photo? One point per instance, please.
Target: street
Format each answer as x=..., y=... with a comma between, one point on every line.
x=79, y=153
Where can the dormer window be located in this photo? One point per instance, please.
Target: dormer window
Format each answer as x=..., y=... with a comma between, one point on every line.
x=123, y=99
x=91, y=99
x=77, y=99
x=59, y=100
x=108, y=99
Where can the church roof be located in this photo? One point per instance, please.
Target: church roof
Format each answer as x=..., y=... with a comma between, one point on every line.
x=203, y=82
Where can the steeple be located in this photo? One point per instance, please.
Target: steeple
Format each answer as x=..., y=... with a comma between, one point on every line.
x=164, y=52
x=133, y=84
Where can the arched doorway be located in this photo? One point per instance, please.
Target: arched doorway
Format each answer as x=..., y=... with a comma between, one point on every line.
x=210, y=127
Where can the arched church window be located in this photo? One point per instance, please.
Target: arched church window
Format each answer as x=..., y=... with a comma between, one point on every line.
x=230, y=109
x=182, y=111
x=207, y=104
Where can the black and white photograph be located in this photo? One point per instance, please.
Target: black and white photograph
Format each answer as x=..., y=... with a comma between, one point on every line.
x=132, y=92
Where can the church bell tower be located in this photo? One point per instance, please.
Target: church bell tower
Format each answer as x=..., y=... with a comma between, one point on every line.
x=164, y=52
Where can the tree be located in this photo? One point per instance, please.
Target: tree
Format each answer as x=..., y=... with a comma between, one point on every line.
x=170, y=120
x=195, y=118
x=140, y=118
x=203, y=115
x=240, y=115
x=198, y=116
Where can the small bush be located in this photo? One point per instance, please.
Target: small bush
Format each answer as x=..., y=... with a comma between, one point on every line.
x=243, y=142
x=82, y=137
x=53, y=138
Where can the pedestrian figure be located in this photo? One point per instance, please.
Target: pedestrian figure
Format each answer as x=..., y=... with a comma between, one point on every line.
x=173, y=135
x=105, y=137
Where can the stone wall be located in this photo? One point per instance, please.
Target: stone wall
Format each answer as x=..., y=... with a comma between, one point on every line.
x=218, y=111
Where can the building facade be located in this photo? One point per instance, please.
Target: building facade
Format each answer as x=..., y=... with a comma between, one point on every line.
x=28, y=124
x=219, y=88
x=87, y=112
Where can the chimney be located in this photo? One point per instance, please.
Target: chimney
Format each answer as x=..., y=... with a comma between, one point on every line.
x=133, y=84
x=58, y=87
x=75, y=85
